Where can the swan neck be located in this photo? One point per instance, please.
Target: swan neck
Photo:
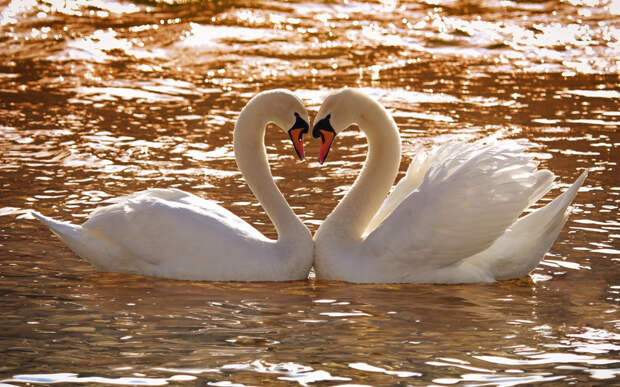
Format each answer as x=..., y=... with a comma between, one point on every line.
x=351, y=217
x=251, y=158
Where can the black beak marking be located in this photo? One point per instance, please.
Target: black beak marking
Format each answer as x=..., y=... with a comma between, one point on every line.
x=300, y=123
x=323, y=124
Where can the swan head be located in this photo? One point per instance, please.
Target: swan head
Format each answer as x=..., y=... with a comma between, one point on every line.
x=290, y=114
x=338, y=112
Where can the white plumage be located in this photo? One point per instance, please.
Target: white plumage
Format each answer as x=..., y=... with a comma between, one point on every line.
x=453, y=218
x=174, y=234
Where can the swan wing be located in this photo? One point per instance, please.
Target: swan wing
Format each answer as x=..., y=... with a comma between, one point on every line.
x=464, y=203
x=518, y=251
x=170, y=233
x=155, y=225
x=416, y=171
x=162, y=206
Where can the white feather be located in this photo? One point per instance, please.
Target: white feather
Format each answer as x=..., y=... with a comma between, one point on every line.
x=173, y=234
x=453, y=218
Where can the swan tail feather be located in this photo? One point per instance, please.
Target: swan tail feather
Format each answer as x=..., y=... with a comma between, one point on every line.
x=516, y=253
x=64, y=230
x=79, y=240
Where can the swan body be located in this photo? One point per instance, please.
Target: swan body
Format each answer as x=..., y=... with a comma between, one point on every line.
x=174, y=234
x=453, y=218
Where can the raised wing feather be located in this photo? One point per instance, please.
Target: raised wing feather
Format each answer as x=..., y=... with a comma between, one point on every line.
x=416, y=171
x=465, y=202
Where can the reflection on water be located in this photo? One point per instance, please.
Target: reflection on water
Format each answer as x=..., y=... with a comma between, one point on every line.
x=102, y=98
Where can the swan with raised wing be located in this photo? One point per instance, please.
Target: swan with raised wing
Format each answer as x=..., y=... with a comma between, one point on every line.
x=174, y=234
x=453, y=218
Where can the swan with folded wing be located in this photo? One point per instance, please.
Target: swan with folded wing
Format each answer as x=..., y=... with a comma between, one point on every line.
x=174, y=234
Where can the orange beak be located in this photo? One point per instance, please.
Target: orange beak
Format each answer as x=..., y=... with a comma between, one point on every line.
x=327, y=138
x=297, y=135
x=323, y=128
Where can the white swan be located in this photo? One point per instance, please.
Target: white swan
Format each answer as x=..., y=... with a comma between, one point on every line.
x=452, y=219
x=173, y=234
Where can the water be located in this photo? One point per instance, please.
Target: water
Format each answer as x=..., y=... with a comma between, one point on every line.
x=103, y=98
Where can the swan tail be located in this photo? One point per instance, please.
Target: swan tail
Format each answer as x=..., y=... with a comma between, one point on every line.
x=64, y=230
x=516, y=253
x=79, y=240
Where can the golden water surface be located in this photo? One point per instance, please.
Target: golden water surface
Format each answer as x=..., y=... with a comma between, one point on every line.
x=101, y=98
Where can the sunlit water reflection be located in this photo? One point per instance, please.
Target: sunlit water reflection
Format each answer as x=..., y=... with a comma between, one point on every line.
x=103, y=98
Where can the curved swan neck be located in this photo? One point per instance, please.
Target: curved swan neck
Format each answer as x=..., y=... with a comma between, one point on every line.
x=251, y=158
x=355, y=211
